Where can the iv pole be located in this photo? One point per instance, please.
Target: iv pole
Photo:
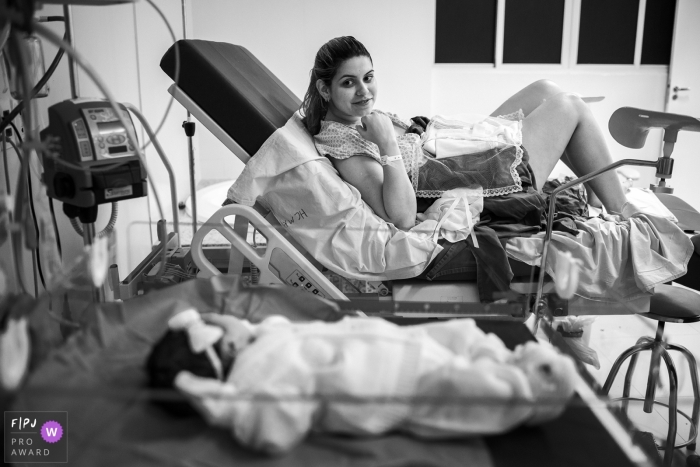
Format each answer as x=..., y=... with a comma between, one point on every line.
x=87, y=215
x=189, y=127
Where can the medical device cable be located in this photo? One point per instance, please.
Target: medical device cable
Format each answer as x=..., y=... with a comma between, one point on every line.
x=167, y=111
x=177, y=71
x=4, y=162
x=52, y=37
x=36, y=259
x=40, y=84
x=108, y=228
x=140, y=103
x=18, y=48
x=12, y=240
x=55, y=228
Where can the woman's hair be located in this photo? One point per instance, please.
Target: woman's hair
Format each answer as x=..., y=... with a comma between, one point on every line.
x=328, y=59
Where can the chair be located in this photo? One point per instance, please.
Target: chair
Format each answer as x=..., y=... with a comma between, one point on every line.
x=674, y=305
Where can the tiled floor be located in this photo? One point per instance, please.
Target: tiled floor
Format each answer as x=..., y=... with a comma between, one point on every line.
x=611, y=335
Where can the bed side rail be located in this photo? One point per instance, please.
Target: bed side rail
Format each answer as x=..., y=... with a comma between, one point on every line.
x=280, y=263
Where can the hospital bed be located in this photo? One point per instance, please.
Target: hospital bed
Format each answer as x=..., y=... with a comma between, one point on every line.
x=242, y=103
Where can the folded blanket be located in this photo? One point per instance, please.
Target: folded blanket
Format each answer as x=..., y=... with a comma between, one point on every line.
x=622, y=259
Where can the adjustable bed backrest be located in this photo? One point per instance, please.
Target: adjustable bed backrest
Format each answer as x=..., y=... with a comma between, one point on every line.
x=237, y=91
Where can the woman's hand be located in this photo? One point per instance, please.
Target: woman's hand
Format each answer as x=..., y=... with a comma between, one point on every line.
x=379, y=129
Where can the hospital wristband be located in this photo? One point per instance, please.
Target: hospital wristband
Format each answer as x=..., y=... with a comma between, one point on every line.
x=384, y=160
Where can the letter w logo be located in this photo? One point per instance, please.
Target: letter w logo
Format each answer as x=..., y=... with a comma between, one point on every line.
x=52, y=432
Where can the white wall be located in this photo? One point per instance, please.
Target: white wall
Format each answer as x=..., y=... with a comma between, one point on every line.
x=400, y=35
x=285, y=35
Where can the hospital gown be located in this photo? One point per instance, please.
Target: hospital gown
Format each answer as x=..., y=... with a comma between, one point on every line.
x=366, y=376
x=469, y=152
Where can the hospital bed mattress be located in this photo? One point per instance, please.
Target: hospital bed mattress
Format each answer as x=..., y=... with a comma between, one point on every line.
x=98, y=377
x=237, y=91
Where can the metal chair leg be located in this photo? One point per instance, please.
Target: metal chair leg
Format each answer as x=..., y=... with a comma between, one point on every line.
x=693, y=367
x=630, y=371
x=618, y=363
x=654, y=366
x=672, y=406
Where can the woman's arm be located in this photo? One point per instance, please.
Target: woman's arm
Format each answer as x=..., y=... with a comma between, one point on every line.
x=387, y=189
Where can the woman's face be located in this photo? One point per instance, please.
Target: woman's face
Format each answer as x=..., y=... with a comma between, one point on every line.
x=353, y=91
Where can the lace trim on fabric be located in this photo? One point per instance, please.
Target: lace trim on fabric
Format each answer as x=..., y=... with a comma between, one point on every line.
x=514, y=116
x=513, y=173
x=413, y=168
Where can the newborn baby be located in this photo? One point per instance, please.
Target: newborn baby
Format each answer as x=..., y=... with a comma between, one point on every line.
x=360, y=376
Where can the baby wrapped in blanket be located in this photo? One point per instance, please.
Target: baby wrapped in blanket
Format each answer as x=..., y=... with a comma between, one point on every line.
x=361, y=376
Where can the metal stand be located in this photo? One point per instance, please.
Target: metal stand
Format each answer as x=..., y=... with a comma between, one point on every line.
x=72, y=65
x=189, y=131
x=87, y=217
x=659, y=349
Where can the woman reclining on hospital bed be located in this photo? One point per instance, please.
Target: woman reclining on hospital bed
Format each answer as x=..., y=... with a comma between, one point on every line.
x=541, y=124
x=506, y=157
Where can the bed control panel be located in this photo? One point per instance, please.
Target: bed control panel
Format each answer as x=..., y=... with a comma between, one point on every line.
x=289, y=272
x=298, y=279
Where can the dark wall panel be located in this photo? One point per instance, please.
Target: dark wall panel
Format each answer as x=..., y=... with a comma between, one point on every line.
x=658, y=32
x=533, y=31
x=608, y=31
x=465, y=31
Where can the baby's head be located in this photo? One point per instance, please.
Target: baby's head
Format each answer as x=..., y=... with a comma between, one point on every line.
x=191, y=345
x=551, y=376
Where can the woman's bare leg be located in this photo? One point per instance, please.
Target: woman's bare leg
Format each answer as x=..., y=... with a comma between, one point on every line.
x=530, y=98
x=565, y=123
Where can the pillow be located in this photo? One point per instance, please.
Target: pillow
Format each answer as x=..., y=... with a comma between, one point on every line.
x=326, y=215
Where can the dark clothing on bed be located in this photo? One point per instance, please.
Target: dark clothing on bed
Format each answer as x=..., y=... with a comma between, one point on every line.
x=513, y=215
